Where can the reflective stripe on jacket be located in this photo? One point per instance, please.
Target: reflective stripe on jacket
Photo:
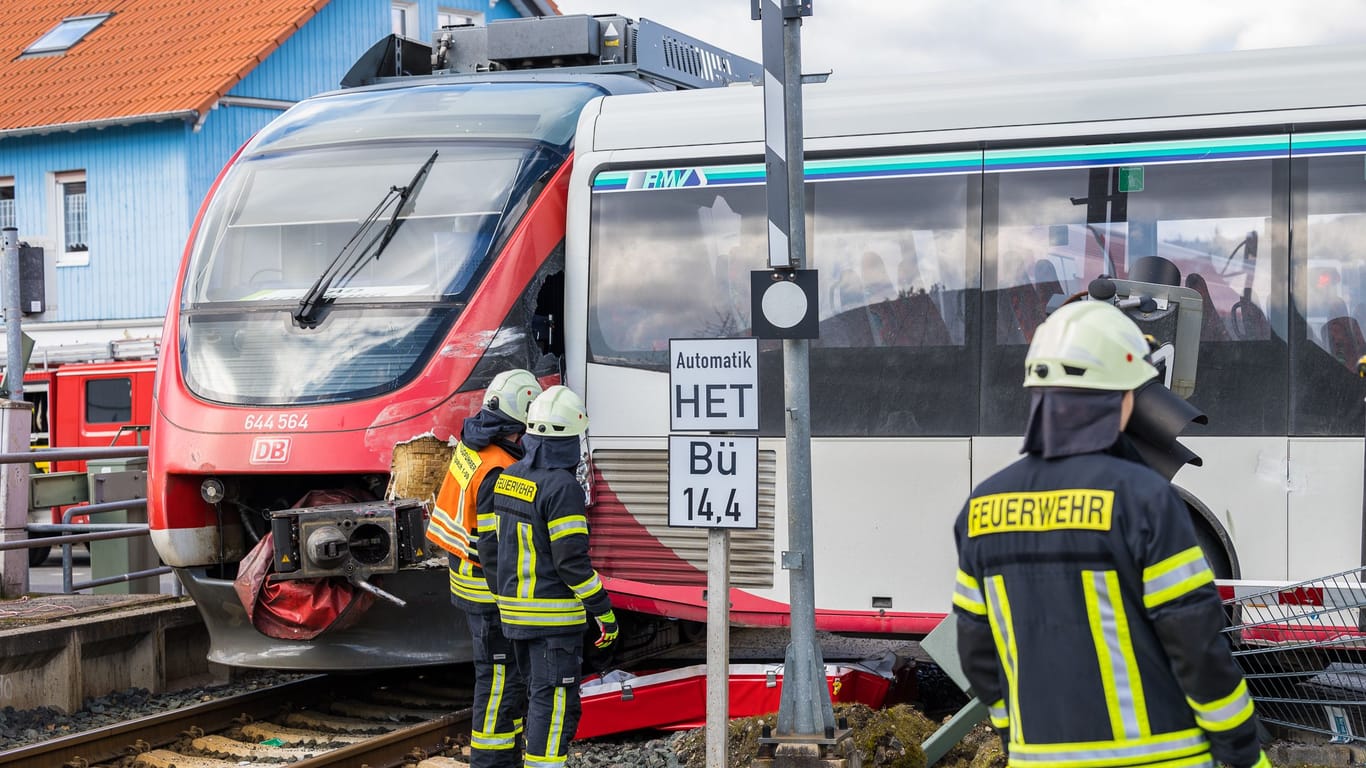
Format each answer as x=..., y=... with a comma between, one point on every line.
x=1088, y=620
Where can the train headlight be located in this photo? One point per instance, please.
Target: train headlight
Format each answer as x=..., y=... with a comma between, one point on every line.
x=211, y=490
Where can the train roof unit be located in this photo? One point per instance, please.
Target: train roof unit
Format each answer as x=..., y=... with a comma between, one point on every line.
x=577, y=44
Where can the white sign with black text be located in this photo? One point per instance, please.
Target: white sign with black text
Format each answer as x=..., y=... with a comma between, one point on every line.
x=713, y=482
x=713, y=384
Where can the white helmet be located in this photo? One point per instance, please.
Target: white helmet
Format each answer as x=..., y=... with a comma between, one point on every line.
x=1088, y=345
x=557, y=412
x=511, y=393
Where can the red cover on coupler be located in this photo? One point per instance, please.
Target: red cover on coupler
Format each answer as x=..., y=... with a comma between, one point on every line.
x=298, y=609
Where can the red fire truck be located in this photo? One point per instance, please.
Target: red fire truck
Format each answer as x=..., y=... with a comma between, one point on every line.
x=86, y=404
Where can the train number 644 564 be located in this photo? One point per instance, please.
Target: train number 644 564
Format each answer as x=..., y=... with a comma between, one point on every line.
x=276, y=421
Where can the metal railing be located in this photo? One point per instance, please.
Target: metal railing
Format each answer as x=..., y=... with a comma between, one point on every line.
x=1302, y=649
x=69, y=532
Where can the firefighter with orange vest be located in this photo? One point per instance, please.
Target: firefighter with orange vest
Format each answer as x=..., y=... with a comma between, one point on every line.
x=538, y=566
x=1087, y=616
x=490, y=441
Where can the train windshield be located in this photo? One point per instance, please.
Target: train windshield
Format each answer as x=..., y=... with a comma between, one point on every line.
x=290, y=225
x=294, y=214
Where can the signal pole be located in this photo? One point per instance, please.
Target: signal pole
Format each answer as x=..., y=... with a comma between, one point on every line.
x=806, y=723
x=15, y=417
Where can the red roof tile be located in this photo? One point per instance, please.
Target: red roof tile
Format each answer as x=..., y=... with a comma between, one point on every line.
x=152, y=57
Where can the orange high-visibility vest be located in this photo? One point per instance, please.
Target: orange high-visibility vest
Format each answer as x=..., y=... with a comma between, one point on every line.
x=454, y=521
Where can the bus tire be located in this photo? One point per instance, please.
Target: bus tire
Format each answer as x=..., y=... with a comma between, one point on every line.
x=1212, y=538
x=38, y=555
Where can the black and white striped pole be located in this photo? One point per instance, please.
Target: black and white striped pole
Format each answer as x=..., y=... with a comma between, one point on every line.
x=785, y=306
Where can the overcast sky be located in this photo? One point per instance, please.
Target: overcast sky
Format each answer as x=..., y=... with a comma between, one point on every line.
x=858, y=37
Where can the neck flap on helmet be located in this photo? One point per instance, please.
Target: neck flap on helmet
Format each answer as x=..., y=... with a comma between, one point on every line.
x=552, y=452
x=481, y=429
x=1068, y=422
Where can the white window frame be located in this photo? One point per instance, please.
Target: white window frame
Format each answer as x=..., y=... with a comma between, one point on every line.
x=446, y=17
x=60, y=180
x=403, y=17
x=9, y=206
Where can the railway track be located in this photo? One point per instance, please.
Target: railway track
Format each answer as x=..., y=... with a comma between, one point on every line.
x=315, y=722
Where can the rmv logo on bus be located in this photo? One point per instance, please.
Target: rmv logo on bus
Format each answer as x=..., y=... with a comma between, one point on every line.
x=668, y=178
x=270, y=450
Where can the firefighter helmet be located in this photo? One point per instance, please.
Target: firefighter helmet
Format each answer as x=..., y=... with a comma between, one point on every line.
x=557, y=412
x=511, y=392
x=1088, y=345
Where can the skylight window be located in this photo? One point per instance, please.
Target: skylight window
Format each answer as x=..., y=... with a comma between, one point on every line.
x=67, y=33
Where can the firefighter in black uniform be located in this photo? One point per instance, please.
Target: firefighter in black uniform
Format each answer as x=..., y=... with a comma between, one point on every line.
x=538, y=568
x=1088, y=620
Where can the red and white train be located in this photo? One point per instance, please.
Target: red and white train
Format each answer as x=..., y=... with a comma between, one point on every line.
x=357, y=275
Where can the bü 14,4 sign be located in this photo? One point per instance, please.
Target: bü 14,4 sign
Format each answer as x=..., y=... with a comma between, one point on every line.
x=713, y=482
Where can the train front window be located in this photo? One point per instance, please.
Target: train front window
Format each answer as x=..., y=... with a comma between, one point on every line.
x=282, y=220
x=287, y=211
x=263, y=358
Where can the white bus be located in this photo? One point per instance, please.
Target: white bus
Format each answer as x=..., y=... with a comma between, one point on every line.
x=943, y=213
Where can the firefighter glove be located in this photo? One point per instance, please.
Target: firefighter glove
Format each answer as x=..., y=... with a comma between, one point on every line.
x=607, y=624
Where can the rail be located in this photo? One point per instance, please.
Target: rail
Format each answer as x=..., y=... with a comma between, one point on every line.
x=314, y=722
x=69, y=532
x=112, y=741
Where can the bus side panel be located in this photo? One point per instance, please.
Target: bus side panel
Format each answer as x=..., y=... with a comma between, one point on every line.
x=1325, y=519
x=626, y=402
x=991, y=454
x=892, y=503
x=1251, y=509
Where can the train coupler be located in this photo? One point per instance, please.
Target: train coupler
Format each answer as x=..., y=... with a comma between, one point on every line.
x=354, y=541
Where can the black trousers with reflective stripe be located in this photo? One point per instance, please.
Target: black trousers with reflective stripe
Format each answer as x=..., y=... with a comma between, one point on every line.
x=499, y=696
x=551, y=666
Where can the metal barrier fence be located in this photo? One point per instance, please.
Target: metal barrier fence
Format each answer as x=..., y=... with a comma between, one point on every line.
x=1302, y=648
x=68, y=532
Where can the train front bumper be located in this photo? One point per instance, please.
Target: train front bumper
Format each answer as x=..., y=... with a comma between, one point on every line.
x=427, y=631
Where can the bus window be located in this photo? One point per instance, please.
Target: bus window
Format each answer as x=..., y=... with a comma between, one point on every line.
x=898, y=262
x=671, y=264
x=109, y=401
x=893, y=261
x=1055, y=229
x=897, y=257
x=1329, y=258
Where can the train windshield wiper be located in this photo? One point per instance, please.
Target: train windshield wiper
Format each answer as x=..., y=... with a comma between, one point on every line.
x=363, y=245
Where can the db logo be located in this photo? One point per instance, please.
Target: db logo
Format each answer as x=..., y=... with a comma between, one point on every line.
x=270, y=450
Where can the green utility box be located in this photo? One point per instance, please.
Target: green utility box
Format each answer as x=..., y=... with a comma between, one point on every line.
x=942, y=646
x=121, y=480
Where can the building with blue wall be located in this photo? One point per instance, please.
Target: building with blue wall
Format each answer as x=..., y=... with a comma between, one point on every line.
x=115, y=124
